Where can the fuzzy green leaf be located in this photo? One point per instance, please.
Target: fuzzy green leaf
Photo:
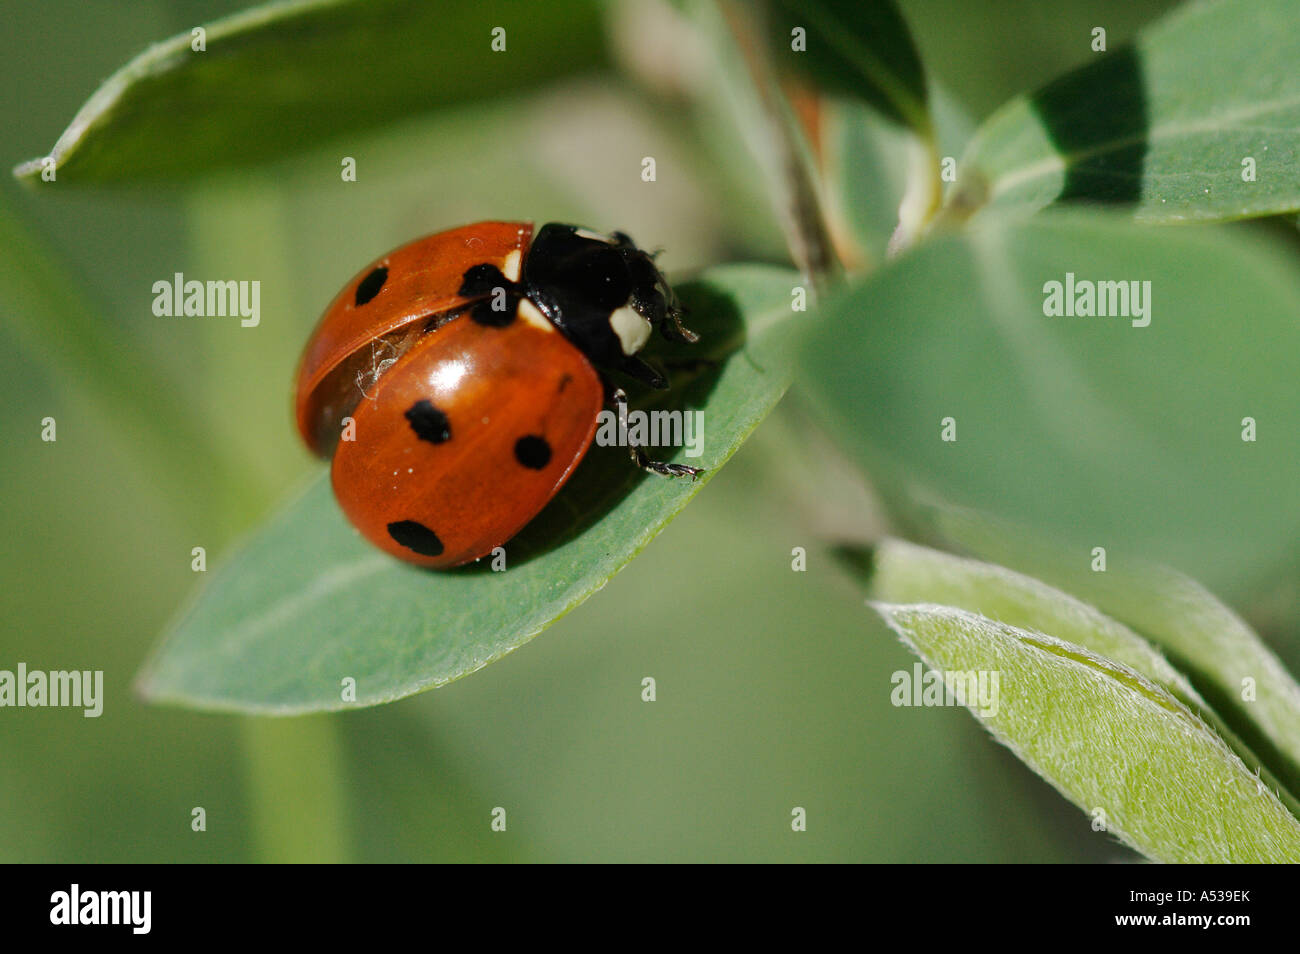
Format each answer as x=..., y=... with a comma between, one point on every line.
x=1118, y=745
x=906, y=573
x=1243, y=679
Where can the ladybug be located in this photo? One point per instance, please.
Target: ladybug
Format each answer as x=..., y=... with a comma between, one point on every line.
x=457, y=380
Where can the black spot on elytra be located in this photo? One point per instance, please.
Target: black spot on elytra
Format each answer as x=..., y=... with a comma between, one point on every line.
x=429, y=423
x=484, y=314
x=533, y=451
x=369, y=286
x=481, y=280
x=416, y=536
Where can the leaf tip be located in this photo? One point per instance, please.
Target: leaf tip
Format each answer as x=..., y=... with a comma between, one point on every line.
x=887, y=611
x=27, y=172
x=142, y=686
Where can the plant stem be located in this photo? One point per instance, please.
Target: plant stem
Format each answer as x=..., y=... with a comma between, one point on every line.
x=296, y=799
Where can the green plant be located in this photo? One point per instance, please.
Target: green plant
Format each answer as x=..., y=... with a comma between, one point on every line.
x=988, y=425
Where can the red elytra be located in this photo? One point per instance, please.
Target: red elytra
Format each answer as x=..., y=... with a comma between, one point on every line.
x=519, y=399
x=422, y=280
x=516, y=410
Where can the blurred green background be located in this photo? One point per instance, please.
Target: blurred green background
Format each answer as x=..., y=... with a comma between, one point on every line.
x=773, y=686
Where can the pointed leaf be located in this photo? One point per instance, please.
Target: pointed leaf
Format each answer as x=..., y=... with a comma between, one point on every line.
x=1242, y=677
x=906, y=573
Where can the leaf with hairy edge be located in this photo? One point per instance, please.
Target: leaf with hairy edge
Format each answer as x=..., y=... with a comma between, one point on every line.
x=1116, y=744
x=906, y=573
x=1235, y=670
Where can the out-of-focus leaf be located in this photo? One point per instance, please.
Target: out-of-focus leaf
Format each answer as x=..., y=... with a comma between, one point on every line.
x=287, y=74
x=62, y=329
x=882, y=182
x=864, y=50
x=770, y=127
x=1090, y=430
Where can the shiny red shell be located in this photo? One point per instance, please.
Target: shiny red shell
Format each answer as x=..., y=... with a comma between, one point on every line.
x=448, y=435
x=423, y=279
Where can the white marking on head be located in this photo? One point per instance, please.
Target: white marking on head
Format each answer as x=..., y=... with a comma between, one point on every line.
x=510, y=267
x=529, y=313
x=594, y=236
x=633, y=331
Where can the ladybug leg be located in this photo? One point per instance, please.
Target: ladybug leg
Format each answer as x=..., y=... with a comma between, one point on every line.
x=679, y=331
x=660, y=467
x=639, y=457
x=673, y=312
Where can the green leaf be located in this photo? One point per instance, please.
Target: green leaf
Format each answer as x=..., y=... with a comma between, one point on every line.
x=1109, y=739
x=296, y=790
x=864, y=50
x=1087, y=430
x=307, y=603
x=1243, y=679
x=284, y=75
x=881, y=181
x=744, y=82
x=906, y=573
x=867, y=165
x=1162, y=126
x=732, y=132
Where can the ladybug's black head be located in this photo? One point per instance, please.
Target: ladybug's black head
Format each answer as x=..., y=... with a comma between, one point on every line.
x=604, y=293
